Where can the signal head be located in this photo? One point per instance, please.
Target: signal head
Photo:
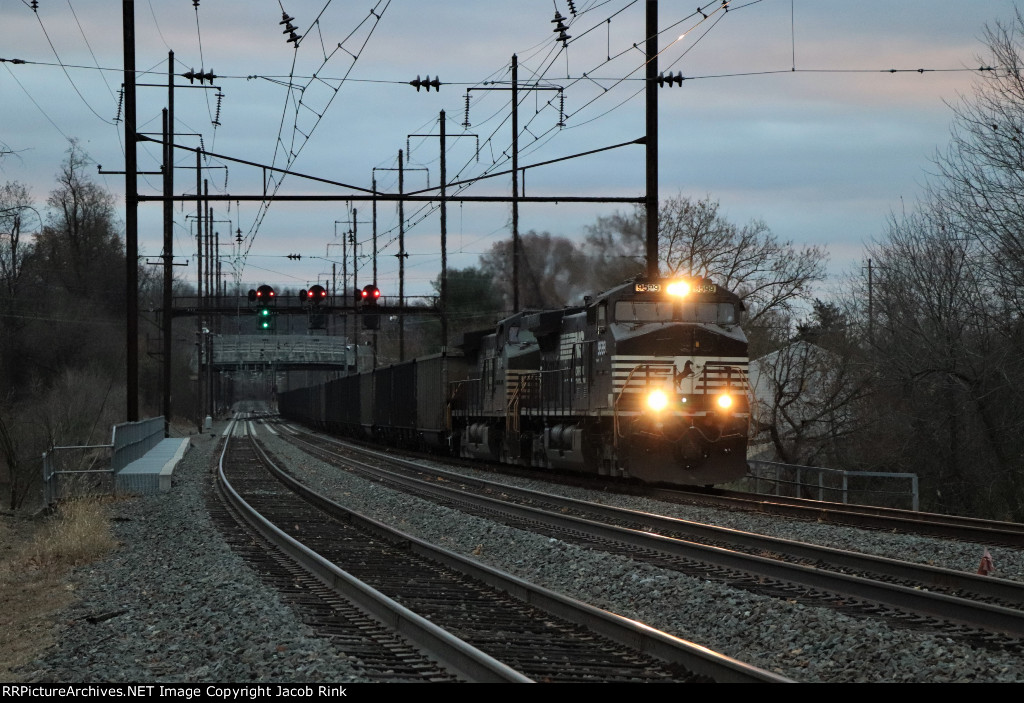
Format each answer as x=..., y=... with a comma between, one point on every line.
x=316, y=294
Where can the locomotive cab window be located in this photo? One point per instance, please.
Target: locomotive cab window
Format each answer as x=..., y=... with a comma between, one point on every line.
x=658, y=311
x=643, y=311
x=713, y=313
x=726, y=314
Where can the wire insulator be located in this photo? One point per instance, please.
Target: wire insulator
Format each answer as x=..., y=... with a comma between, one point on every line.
x=120, y=103
x=561, y=108
x=572, y=8
x=216, y=117
x=465, y=122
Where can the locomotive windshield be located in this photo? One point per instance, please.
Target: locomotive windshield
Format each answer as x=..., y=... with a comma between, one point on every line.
x=667, y=311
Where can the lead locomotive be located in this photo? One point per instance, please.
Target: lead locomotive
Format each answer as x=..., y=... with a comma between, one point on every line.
x=647, y=380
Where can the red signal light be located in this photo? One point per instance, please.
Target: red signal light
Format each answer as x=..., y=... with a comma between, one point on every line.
x=370, y=293
x=316, y=294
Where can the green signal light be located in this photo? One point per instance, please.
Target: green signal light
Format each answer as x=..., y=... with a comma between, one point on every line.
x=266, y=319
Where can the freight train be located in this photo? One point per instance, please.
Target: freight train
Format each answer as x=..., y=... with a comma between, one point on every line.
x=647, y=380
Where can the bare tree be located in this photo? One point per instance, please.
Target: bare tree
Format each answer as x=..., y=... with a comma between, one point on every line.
x=982, y=171
x=80, y=243
x=949, y=371
x=768, y=274
x=807, y=403
x=15, y=206
x=553, y=271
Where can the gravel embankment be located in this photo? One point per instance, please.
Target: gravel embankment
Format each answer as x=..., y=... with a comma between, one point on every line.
x=174, y=604
x=194, y=616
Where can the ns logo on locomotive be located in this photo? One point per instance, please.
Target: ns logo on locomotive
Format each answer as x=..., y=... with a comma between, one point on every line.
x=647, y=380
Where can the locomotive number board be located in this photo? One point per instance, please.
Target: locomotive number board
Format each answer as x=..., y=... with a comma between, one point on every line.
x=658, y=288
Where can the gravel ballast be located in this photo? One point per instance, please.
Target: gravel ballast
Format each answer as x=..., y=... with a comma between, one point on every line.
x=195, y=615
x=174, y=604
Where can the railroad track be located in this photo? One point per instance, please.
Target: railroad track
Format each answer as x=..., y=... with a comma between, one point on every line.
x=980, y=609
x=953, y=527
x=956, y=527
x=456, y=610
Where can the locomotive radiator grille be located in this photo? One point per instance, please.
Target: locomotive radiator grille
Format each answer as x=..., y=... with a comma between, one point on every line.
x=692, y=377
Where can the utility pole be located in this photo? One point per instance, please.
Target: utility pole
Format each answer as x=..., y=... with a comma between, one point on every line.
x=515, y=183
x=444, y=246
x=210, y=401
x=516, y=254
x=651, y=94
x=400, y=197
x=355, y=279
x=168, y=329
x=401, y=258
x=200, y=343
x=131, y=218
x=374, y=186
x=444, y=224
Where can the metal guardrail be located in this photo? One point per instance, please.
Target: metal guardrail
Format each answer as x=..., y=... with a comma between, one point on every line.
x=129, y=441
x=792, y=480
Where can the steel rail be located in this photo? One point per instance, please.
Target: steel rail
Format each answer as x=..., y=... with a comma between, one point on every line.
x=634, y=634
x=991, y=617
x=952, y=526
x=926, y=575
x=460, y=657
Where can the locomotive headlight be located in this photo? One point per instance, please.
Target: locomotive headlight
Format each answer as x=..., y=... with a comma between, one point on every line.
x=724, y=401
x=657, y=401
x=678, y=288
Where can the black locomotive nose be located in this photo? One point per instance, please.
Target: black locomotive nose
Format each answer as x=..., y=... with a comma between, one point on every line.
x=673, y=429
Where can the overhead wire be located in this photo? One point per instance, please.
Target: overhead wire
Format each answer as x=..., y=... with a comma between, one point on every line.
x=293, y=152
x=38, y=106
x=60, y=62
x=428, y=208
x=89, y=46
x=157, y=25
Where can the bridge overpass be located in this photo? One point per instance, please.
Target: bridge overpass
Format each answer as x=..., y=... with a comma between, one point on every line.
x=261, y=352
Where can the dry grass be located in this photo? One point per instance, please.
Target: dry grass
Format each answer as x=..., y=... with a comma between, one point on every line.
x=78, y=534
x=35, y=565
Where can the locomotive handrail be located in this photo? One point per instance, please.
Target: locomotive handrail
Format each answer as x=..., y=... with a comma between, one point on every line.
x=742, y=381
x=512, y=409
